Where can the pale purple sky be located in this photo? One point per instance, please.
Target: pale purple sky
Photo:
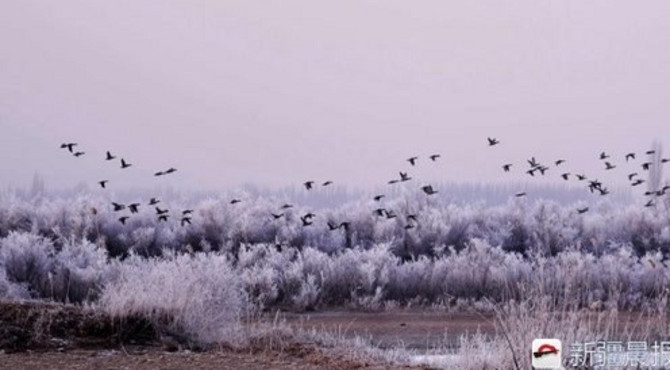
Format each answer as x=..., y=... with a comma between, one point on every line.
x=277, y=92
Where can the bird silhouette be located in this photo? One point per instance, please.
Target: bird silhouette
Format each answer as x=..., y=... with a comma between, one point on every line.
x=409, y=226
x=379, y=211
x=109, y=156
x=159, y=173
x=404, y=176
x=185, y=220
x=327, y=183
x=411, y=217
x=69, y=146
x=123, y=219
x=428, y=189
x=609, y=166
x=434, y=157
x=377, y=198
x=277, y=216
x=531, y=171
x=521, y=194
x=235, y=201
x=565, y=175
x=118, y=207
x=79, y=154
x=103, y=183
x=665, y=160
x=650, y=203
x=412, y=160
x=650, y=152
x=543, y=169
x=163, y=218
x=153, y=201
x=506, y=167
x=582, y=210
x=604, y=155
x=646, y=165
x=309, y=215
x=559, y=162
x=533, y=162
x=305, y=221
x=631, y=175
x=161, y=211
x=391, y=182
x=603, y=191
x=638, y=182
x=170, y=170
x=648, y=193
x=286, y=206
x=133, y=207
x=332, y=226
x=308, y=184
x=493, y=141
x=390, y=214
x=630, y=156
x=124, y=164
x=187, y=212
x=581, y=177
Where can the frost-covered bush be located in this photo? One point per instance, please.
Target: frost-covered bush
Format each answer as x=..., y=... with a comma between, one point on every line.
x=197, y=296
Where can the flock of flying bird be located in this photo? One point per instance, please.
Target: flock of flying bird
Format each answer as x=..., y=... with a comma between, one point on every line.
x=411, y=220
x=161, y=214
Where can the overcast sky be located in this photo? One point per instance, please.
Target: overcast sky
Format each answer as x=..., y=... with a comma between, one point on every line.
x=277, y=92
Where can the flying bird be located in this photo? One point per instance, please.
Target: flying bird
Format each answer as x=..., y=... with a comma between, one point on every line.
x=519, y=195
x=411, y=217
x=559, y=162
x=69, y=146
x=650, y=203
x=124, y=164
x=630, y=156
x=78, y=154
x=428, y=189
x=170, y=170
x=404, y=176
x=604, y=155
x=565, y=175
x=650, y=152
x=391, y=182
x=133, y=207
x=159, y=173
x=609, y=166
x=277, y=216
x=308, y=184
x=581, y=177
x=235, y=201
x=665, y=160
x=161, y=211
x=286, y=206
x=582, y=210
x=123, y=219
x=637, y=182
x=309, y=215
x=153, y=201
x=163, y=218
x=531, y=171
x=187, y=212
x=332, y=226
x=118, y=207
x=185, y=220
x=327, y=183
x=493, y=141
x=109, y=156
x=103, y=183
x=390, y=215
x=533, y=162
x=646, y=165
x=409, y=226
x=506, y=167
x=305, y=221
x=379, y=211
x=434, y=157
x=377, y=198
x=412, y=160
x=630, y=176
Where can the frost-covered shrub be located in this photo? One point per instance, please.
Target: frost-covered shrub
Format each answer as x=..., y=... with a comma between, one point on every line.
x=197, y=296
